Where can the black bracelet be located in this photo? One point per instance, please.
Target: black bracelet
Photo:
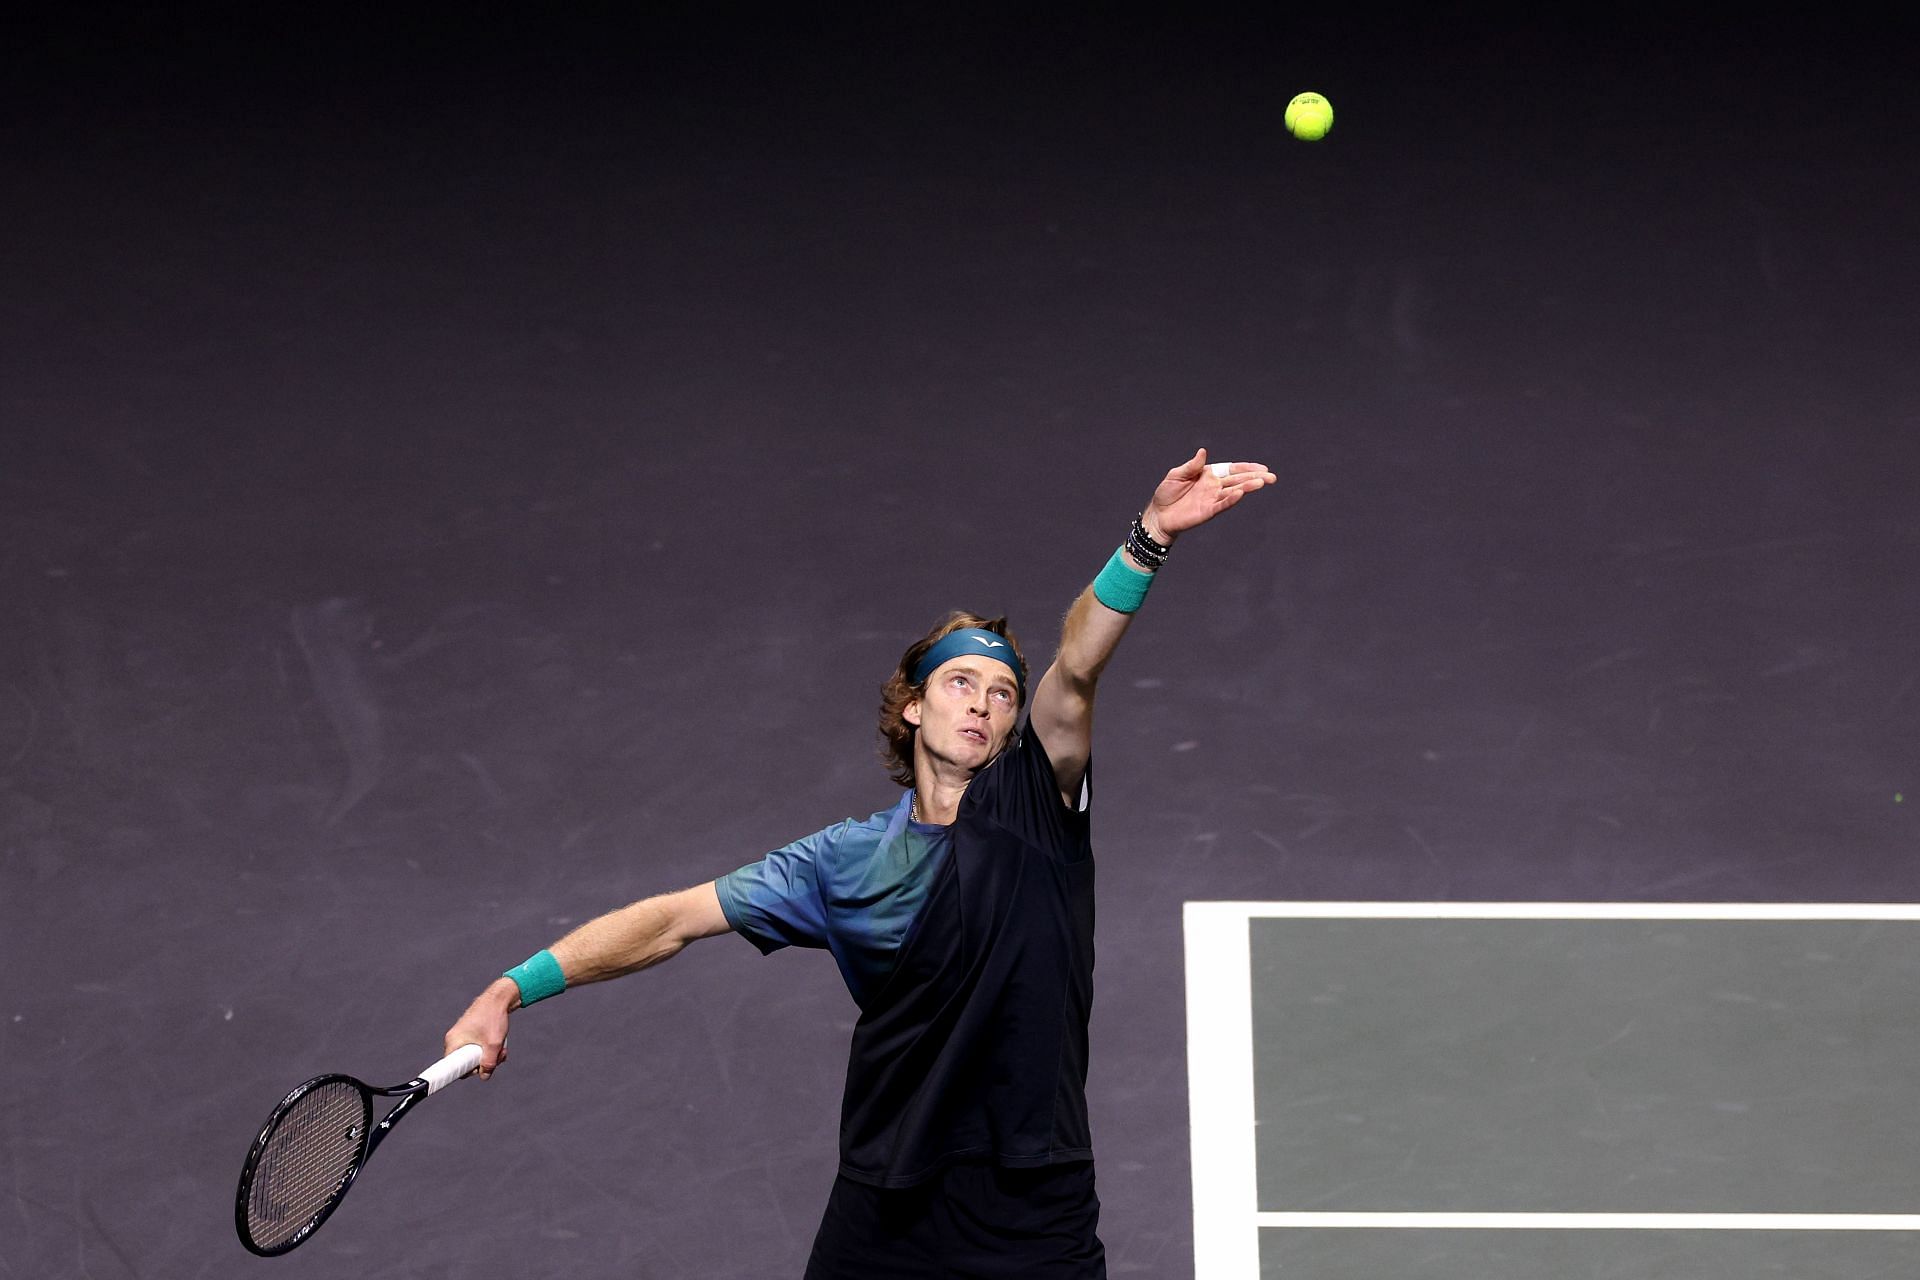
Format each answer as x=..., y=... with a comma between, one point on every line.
x=1158, y=548
x=1142, y=546
x=1153, y=561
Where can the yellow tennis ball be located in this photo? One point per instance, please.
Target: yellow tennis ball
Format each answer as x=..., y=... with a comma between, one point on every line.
x=1309, y=117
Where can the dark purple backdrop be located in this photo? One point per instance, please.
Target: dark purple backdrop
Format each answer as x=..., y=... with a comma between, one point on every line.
x=462, y=474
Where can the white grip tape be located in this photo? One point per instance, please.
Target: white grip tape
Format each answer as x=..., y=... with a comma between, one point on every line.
x=461, y=1062
x=1220, y=469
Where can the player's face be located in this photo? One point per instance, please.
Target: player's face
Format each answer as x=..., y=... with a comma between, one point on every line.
x=967, y=711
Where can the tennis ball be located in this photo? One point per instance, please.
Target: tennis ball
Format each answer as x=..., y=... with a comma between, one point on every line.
x=1309, y=117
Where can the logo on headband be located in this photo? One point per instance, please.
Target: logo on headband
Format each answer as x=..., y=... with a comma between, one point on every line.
x=954, y=644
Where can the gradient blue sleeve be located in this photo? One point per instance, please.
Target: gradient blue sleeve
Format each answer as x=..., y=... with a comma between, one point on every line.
x=776, y=902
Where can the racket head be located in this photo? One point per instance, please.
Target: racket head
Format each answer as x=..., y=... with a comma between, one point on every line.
x=302, y=1163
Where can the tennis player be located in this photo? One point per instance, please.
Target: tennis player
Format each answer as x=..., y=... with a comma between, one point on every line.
x=961, y=918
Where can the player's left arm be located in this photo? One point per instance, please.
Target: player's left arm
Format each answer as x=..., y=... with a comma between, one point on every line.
x=1062, y=714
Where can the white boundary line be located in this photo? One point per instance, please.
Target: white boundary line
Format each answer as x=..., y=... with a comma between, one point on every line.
x=1596, y=1221
x=1223, y=912
x=1226, y=1215
x=1226, y=1182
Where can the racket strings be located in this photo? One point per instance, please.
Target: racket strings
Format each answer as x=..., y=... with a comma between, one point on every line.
x=309, y=1155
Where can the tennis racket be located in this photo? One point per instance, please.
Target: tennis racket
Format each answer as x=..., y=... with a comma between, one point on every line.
x=315, y=1142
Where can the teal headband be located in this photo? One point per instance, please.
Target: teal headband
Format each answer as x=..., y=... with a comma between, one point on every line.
x=971, y=640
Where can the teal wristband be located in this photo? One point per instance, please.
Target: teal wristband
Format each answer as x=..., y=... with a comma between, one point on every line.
x=538, y=978
x=1120, y=586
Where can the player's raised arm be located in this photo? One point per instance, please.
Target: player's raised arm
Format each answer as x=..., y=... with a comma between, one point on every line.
x=637, y=936
x=1062, y=715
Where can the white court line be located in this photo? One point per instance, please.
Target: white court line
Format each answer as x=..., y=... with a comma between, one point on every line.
x=1223, y=912
x=1226, y=1216
x=1596, y=1221
x=1226, y=1191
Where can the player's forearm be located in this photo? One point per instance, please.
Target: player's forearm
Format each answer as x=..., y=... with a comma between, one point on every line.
x=1092, y=631
x=1088, y=639
x=634, y=937
x=637, y=936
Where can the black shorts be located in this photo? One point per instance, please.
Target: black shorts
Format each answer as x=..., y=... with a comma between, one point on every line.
x=967, y=1222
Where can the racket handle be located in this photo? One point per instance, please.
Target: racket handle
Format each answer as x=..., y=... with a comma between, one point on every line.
x=455, y=1065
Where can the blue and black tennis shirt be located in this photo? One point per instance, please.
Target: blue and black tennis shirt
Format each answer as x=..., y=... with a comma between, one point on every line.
x=969, y=950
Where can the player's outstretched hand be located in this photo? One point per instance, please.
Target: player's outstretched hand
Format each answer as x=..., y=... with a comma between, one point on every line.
x=1196, y=491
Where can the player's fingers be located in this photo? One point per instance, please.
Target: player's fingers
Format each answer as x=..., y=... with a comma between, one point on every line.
x=491, y=1056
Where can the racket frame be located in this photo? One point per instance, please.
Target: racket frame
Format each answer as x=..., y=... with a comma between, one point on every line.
x=436, y=1077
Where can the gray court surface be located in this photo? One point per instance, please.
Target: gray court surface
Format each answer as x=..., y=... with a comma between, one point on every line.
x=1571, y=1070
x=1599, y=1066
x=460, y=473
x=1608, y=1089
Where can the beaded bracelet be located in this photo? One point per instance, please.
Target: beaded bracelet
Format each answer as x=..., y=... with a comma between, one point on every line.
x=1145, y=548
